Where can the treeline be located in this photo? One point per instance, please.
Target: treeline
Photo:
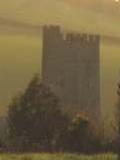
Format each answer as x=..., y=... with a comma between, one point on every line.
x=36, y=123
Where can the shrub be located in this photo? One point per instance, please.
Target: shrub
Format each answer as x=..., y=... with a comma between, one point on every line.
x=81, y=136
x=35, y=119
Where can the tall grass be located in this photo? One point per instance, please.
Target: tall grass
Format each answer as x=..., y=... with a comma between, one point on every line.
x=43, y=156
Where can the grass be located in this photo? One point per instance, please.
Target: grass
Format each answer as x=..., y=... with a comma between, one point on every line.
x=44, y=156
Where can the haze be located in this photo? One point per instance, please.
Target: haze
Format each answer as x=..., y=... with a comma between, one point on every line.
x=21, y=44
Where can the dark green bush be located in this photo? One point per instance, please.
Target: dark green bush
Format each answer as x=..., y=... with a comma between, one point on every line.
x=80, y=136
x=35, y=119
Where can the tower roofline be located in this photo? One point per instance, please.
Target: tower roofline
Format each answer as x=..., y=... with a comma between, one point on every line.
x=71, y=36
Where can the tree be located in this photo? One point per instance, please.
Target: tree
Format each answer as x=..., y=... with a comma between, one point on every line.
x=118, y=120
x=34, y=118
x=80, y=136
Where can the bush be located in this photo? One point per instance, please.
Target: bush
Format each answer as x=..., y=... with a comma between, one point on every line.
x=35, y=119
x=80, y=136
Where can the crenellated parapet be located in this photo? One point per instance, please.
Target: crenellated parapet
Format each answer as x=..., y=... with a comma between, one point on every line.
x=52, y=29
x=84, y=38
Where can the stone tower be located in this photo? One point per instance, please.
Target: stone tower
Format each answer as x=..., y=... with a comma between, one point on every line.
x=71, y=67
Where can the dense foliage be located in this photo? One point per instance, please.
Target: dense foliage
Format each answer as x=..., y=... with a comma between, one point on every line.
x=35, y=119
x=81, y=136
x=37, y=123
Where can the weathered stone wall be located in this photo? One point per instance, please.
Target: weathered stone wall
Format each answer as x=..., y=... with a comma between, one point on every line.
x=71, y=67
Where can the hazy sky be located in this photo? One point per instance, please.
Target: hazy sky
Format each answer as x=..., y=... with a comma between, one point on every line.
x=97, y=16
x=20, y=50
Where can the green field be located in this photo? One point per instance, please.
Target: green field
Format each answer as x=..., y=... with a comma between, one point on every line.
x=56, y=157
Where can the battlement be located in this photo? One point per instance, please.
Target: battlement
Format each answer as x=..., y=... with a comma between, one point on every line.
x=52, y=28
x=84, y=38
x=71, y=37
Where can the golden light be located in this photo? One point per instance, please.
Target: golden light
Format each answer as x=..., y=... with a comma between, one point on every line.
x=117, y=1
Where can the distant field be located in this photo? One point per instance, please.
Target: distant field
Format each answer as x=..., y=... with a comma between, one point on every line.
x=56, y=157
